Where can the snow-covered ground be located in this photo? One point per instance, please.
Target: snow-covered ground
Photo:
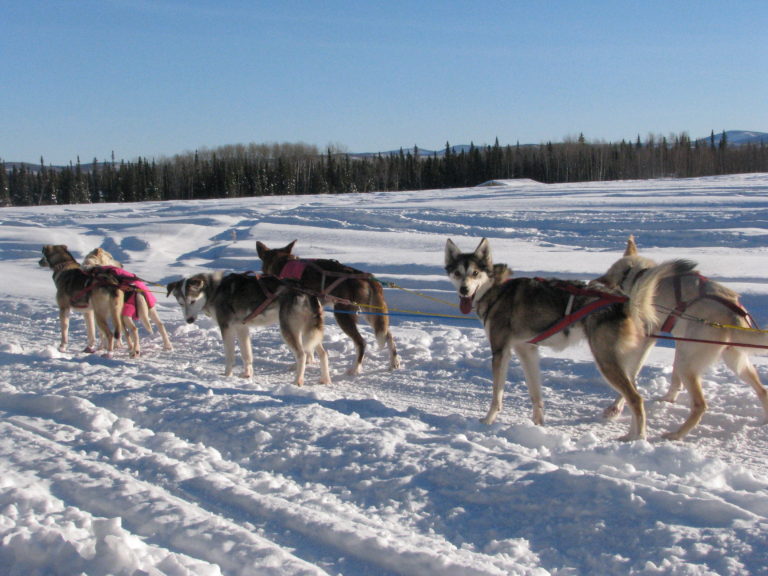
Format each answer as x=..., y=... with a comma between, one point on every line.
x=162, y=466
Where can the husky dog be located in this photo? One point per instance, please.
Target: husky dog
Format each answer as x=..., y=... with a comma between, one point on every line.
x=76, y=288
x=349, y=290
x=707, y=318
x=518, y=313
x=238, y=301
x=139, y=301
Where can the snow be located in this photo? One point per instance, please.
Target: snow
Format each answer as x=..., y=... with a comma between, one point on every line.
x=160, y=465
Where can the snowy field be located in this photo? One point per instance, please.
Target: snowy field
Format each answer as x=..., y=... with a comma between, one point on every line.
x=161, y=465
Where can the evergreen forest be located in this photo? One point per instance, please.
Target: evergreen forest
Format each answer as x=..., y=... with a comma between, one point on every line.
x=279, y=169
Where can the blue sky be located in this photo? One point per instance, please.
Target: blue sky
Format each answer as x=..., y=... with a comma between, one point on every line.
x=155, y=78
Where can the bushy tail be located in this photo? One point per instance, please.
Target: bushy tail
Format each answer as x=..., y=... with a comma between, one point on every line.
x=642, y=296
x=116, y=312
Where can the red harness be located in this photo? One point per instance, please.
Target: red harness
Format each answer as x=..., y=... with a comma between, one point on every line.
x=294, y=270
x=604, y=299
x=682, y=305
x=270, y=296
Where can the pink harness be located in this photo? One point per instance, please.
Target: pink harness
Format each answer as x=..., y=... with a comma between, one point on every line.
x=131, y=285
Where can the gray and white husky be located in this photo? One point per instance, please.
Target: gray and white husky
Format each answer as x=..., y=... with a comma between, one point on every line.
x=518, y=313
x=238, y=301
x=705, y=317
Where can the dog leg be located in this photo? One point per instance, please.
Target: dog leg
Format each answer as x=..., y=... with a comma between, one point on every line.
x=348, y=323
x=615, y=409
x=246, y=351
x=64, y=322
x=632, y=360
x=499, y=368
x=228, y=338
x=90, y=327
x=394, y=358
x=698, y=407
x=610, y=367
x=530, y=361
x=380, y=325
x=161, y=328
x=325, y=372
x=132, y=337
x=293, y=339
x=738, y=361
x=675, y=386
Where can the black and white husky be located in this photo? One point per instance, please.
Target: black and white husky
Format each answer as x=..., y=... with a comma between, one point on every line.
x=238, y=301
x=518, y=313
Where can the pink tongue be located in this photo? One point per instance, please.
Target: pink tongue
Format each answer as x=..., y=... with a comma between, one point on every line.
x=465, y=304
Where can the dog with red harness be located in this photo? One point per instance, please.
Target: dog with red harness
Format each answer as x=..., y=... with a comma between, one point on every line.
x=707, y=323
x=348, y=289
x=77, y=289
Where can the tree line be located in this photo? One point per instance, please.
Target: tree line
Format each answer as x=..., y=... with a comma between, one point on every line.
x=285, y=169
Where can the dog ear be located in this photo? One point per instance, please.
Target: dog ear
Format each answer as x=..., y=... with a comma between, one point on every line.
x=261, y=249
x=501, y=272
x=483, y=253
x=631, y=249
x=171, y=287
x=451, y=252
x=288, y=248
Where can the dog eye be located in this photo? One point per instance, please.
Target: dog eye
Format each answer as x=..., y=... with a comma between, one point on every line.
x=475, y=273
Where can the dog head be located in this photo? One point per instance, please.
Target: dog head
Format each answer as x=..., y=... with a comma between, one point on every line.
x=100, y=257
x=191, y=294
x=273, y=259
x=54, y=255
x=472, y=273
x=623, y=273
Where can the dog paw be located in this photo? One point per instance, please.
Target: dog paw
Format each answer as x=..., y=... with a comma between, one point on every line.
x=354, y=370
x=631, y=437
x=612, y=411
x=674, y=436
x=89, y=349
x=394, y=364
x=489, y=419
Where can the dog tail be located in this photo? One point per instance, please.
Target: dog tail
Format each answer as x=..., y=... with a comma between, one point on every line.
x=643, y=294
x=116, y=312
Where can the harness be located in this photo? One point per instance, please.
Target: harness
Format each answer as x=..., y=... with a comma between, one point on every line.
x=682, y=305
x=270, y=296
x=294, y=270
x=604, y=299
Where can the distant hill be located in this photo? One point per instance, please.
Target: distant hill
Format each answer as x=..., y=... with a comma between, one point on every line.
x=733, y=138
x=738, y=137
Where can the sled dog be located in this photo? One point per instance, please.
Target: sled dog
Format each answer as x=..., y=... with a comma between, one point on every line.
x=76, y=288
x=139, y=301
x=238, y=301
x=706, y=317
x=518, y=313
x=349, y=290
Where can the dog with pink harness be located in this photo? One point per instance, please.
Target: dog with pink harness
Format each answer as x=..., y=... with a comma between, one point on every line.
x=139, y=300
